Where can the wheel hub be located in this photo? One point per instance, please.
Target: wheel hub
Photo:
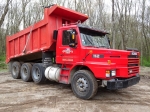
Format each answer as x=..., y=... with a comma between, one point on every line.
x=82, y=84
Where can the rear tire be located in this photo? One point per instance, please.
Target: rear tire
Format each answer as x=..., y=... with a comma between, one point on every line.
x=15, y=70
x=26, y=72
x=38, y=73
x=84, y=84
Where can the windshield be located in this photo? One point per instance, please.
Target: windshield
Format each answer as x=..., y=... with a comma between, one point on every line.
x=94, y=39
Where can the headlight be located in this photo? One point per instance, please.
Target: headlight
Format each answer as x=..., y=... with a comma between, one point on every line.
x=113, y=73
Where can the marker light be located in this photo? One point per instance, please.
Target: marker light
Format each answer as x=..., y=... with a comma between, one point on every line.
x=90, y=51
x=109, y=62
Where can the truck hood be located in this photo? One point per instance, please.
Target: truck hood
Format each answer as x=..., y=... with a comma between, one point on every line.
x=117, y=57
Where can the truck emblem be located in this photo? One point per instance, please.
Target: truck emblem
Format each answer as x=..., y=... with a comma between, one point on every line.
x=67, y=51
x=133, y=53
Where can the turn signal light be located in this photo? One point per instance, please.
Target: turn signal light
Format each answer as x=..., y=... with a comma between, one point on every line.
x=107, y=73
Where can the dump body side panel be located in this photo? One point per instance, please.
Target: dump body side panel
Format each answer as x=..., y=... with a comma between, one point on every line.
x=38, y=37
x=27, y=41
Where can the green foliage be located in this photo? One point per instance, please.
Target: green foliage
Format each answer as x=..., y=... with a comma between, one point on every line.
x=2, y=58
x=3, y=65
x=145, y=62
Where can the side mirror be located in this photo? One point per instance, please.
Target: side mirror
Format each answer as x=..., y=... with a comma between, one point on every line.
x=55, y=33
x=72, y=33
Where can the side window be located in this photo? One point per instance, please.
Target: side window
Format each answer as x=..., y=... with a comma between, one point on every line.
x=66, y=38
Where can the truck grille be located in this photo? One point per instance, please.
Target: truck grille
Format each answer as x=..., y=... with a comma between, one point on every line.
x=133, y=70
x=133, y=62
x=133, y=56
x=133, y=66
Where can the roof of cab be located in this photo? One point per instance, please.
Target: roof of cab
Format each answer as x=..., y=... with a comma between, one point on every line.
x=85, y=27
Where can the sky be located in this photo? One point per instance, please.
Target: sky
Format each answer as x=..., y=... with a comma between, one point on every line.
x=108, y=3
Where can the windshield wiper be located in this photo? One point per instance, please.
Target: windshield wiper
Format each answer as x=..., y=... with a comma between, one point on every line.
x=103, y=47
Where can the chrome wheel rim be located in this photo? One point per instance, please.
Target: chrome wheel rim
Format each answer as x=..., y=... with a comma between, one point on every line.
x=82, y=84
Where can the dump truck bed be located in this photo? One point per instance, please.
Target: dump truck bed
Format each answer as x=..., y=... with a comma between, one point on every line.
x=30, y=42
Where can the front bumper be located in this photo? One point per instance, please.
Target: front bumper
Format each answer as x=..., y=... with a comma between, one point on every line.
x=122, y=83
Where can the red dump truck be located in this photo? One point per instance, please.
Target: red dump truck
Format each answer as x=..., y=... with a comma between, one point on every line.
x=60, y=48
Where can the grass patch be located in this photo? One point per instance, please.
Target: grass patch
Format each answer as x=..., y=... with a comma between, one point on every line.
x=3, y=65
x=145, y=62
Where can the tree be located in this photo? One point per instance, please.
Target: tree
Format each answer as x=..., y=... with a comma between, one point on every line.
x=24, y=5
x=113, y=24
x=4, y=12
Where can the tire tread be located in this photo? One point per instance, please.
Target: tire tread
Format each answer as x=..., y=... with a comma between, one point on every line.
x=16, y=63
x=29, y=67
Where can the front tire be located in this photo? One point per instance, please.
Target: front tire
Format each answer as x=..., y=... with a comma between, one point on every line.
x=38, y=73
x=84, y=84
x=26, y=72
x=15, y=70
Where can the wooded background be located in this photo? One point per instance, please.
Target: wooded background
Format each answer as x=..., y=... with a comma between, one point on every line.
x=127, y=21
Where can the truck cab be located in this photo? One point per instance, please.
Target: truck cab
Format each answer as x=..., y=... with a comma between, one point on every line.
x=80, y=47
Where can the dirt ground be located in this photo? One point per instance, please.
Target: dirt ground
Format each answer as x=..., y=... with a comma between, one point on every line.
x=19, y=96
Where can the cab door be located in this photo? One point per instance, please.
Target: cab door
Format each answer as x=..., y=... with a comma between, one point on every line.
x=64, y=53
